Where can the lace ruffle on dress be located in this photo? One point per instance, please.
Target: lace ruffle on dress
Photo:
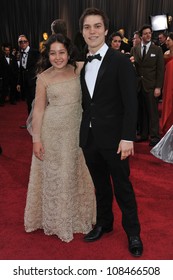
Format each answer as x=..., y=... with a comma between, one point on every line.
x=60, y=198
x=164, y=149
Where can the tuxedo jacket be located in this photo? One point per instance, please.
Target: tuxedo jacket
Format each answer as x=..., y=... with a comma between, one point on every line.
x=112, y=111
x=9, y=70
x=27, y=77
x=150, y=69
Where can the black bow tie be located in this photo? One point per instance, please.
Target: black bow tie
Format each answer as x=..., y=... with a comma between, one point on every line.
x=91, y=57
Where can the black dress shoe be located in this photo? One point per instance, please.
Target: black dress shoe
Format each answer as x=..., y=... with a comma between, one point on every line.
x=23, y=126
x=153, y=143
x=135, y=246
x=96, y=233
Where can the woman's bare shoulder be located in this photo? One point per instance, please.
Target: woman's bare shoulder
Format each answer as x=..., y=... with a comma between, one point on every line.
x=80, y=65
x=166, y=54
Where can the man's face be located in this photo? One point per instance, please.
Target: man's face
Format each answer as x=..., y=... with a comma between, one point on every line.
x=23, y=42
x=94, y=32
x=7, y=51
x=136, y=40
x=162, y=39
x=146, y=35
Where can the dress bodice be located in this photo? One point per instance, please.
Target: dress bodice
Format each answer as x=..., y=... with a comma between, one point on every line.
x=64, y=93
x=54, y=89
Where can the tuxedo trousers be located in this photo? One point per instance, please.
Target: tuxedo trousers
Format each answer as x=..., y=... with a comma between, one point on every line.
x=28, y=89
x=110, y=176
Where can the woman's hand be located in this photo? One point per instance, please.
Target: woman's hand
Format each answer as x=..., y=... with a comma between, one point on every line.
x=38, y=150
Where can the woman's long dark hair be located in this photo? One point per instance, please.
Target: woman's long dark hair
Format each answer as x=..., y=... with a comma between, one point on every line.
x=112, y=36
x=44, y=63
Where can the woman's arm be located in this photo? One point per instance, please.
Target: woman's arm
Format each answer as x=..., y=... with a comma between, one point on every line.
x=37, y=118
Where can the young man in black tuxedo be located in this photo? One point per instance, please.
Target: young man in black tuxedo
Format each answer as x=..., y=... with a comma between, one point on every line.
x=108, y=128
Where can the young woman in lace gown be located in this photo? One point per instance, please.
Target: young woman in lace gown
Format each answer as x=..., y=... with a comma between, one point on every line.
x=60, y=198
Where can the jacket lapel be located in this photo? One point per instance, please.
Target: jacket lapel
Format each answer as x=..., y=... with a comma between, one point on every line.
x=105, y=63
x=150, y=50
x=139, y=51
x=83, y=82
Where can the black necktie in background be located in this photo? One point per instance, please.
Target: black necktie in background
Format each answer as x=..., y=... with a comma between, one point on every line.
x=144, y=51
x=23, y=53
x=91, y=57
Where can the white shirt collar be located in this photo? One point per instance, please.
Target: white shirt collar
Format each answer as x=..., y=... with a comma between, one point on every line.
x=147, y=45
x=27, y=49
x=102, y=51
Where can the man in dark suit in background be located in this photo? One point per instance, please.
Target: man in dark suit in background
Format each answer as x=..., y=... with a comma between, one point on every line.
x=59, y=26
x=108, y=128
x=162, y=41
x=9, y=75
x=149, y=63
x=27, y=73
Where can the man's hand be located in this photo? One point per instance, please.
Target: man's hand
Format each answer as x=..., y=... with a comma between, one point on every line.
x=126, y=148
x=18, y=88
x=132, y=59
x=157, y=92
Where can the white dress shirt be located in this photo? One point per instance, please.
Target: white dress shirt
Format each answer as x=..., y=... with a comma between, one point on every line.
x=92, y=68
x=7, y=59
x=25, y=57
x=147, y=47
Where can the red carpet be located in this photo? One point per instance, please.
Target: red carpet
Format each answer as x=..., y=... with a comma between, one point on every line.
x=153, y=184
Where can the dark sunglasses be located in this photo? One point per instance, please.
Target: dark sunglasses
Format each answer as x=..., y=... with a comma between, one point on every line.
x=23, y=42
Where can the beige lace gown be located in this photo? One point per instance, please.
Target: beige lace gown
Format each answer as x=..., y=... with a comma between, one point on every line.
x=60, y=197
